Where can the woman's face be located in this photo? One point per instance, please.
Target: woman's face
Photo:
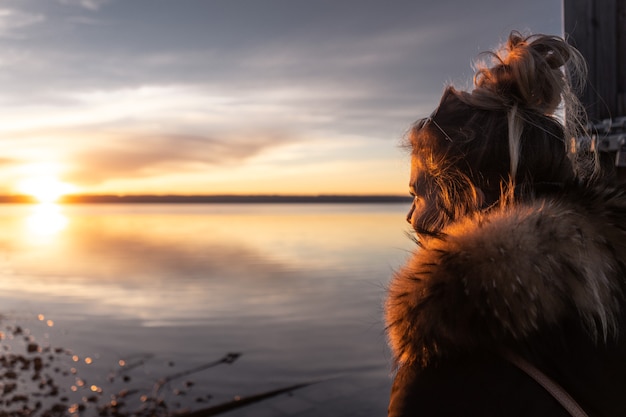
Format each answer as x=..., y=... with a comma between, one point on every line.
x=435, y=202
x=424, y=212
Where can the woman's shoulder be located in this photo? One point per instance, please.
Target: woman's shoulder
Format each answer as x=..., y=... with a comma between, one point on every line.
x=502, y=276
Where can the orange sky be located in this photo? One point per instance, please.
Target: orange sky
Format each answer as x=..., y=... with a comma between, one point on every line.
x=195, y=97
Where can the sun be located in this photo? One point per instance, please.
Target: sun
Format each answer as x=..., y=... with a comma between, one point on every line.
x=45, y=189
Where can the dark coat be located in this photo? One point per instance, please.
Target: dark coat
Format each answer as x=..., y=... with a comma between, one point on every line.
x=544, y=279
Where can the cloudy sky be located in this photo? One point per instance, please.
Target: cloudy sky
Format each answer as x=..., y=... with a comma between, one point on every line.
x=233, y=96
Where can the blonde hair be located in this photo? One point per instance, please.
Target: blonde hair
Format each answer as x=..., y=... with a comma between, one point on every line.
x=535, y=73
x=504, y=136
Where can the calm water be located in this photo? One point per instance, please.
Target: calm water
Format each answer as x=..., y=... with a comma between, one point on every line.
x=296, y=289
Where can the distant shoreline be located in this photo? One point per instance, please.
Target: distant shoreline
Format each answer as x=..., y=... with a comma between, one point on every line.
x=206, y=199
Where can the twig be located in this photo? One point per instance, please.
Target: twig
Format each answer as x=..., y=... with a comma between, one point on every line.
x=228, y=359
x=242, y=402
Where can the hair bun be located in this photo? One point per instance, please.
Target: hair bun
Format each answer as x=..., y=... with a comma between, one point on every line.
x=526, y=72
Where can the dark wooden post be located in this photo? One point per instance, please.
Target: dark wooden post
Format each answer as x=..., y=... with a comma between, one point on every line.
x=598, y=29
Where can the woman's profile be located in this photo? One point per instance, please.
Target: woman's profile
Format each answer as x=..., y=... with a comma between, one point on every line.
x=515, y=296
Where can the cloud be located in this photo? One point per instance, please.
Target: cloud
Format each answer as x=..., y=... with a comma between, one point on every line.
x=4, y=162
x=12, y=20
x=87, y=4
x=386, y=53
x=144, y=156
x=149, y=86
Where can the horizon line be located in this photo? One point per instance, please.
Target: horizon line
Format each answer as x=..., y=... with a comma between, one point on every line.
x=210, y=198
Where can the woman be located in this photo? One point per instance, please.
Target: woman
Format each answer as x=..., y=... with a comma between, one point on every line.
x=514, y=303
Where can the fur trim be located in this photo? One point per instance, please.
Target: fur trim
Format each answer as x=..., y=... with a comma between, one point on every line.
x=501, y=276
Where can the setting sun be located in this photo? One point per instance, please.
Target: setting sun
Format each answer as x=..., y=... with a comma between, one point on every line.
x=45, y=189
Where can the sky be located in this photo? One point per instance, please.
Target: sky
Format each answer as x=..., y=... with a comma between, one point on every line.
x=233, y=96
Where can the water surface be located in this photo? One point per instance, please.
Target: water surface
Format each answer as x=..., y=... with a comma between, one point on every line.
x=297, y=289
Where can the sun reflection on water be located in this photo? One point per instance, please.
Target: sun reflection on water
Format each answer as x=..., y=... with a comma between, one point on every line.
x=46, y=220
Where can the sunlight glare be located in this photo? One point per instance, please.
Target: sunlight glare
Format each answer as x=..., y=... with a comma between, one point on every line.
x=45, y=189
x=46, y=220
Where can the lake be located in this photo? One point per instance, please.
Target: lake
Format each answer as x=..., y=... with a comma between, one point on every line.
x=130, y=295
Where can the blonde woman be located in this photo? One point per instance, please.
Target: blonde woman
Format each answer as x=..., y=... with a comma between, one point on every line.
x=514, y=302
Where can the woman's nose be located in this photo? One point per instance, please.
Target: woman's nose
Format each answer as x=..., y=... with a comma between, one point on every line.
x=409, y=216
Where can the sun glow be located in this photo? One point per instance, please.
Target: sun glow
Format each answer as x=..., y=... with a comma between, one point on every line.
x=46, y=220
x=45, y=189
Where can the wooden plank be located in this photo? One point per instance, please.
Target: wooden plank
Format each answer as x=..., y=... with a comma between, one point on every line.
x=621, y=56
x=605, y=65
x=578, y=18
x=598, y=29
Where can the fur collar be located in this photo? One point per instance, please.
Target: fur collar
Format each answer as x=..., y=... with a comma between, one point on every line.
x=499, y=277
